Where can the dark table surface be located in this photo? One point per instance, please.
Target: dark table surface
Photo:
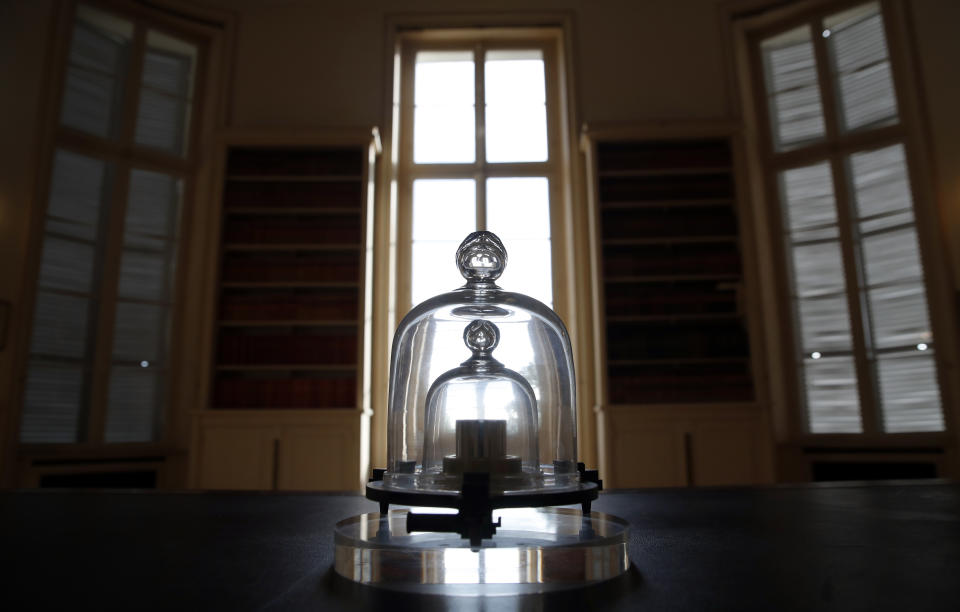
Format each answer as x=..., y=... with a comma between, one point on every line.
x=851, y=547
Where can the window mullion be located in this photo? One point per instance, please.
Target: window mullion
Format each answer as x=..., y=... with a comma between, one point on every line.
x=131, y=96
x=851, y=260
x=405, y=167
x=112, y=250
x=859, y=322
x=480, y=131
x=109, y=272
x=828, y=98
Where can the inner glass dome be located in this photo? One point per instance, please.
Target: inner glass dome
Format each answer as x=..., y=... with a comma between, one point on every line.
x=481, y=380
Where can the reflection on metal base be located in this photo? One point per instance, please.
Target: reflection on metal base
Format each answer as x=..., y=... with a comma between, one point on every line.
x=536, y=550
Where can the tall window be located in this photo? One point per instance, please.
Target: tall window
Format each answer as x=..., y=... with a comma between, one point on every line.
x=98, y=362
x=478, y=149
x=864, y=348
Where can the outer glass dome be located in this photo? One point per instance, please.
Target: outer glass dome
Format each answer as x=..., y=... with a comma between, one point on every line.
x=508, y=408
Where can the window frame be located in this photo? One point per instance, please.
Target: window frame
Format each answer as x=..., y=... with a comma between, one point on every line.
x=479, y=41
x=832, y=149
x=122, y=151
x=571, y=291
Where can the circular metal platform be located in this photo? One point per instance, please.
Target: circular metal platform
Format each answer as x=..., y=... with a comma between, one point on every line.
x=577, y=493
x=535, y=550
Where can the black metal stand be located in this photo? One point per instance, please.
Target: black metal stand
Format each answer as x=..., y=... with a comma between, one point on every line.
x=476, y=502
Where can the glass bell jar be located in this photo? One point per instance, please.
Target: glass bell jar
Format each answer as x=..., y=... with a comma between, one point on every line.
x=481, y=381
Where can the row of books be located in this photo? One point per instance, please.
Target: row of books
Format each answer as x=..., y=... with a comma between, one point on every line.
x=728, y=381
x=671, y=298
x=680, y=340
x=669, y=248
x=238, y=348
x=337, y=392
x=338, y=229
x=292, y=194
x=716, y=258
x=638, y=390
x=620, y=224
x=244, y=161
x=290, y=304
x=657, y=187
x=663, y=154
x=290, y=267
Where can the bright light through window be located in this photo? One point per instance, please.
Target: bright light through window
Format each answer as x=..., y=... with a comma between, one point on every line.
x=443, y=122
x=444, y=212
x=518, y=210
x=478, y=157
x=516, y=111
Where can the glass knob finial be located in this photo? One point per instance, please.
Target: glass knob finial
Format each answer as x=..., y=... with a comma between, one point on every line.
x=481, y=257
x=481, y=336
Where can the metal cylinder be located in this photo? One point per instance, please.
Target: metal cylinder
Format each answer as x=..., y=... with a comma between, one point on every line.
x=481, y=439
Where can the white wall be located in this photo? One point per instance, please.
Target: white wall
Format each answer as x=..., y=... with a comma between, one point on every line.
x=307, y=63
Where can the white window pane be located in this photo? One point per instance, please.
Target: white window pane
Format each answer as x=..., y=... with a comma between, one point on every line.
x=514, y=77
x=444, y=134
x=153, y=207
x=96, y=67
x=79, y=187
x=140, y=333
x=881, y=188
x=798, y=117
x=166, y=93
x=868, y=97
x=444, y=78
x=833, y=402
x=145, y=275
x=77, y=190
x=909, y=393
x=519, y=207
x=858, y=34
x=516, y=113
x=148, y=263
x=516, y=133
x=529, y=269
x=169, y=64
x=52, y=403
x=434, y=269
x=817, y=270
x=796, y=112
x=898, y=316
x=160, y=122
x=444, y=212
x=810, y=209
x=444, y=116
x=60, y=326
x=892, y=257
x=824, y=325
x=66, y=265
x=91, y=102
x=92, y=52
x=135, y=400
x=444, y=209
x=858, y=50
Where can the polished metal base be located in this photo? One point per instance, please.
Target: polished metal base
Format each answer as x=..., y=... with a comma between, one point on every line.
x=535, y=550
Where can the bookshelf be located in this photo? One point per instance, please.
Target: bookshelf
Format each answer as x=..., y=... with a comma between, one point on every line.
x=671, y=269
x=673, y=370
x=290, y=335
x=289, y=321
